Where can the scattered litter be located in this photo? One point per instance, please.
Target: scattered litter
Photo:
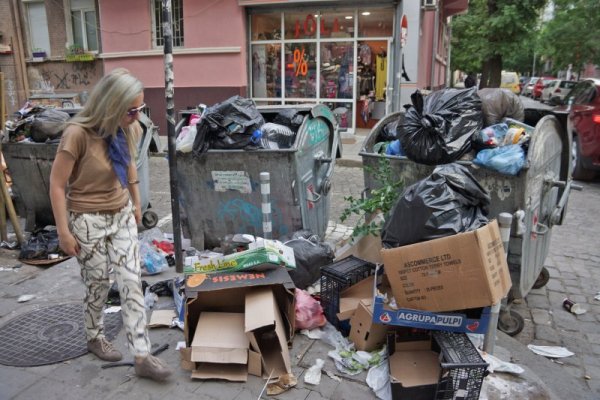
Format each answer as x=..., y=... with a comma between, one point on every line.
x=112, y=310
x=150, y=299
x=9, y=245
x=597, y=297
x=25, y=297
x=313, y=375
x=352, y=362
x=309, y=313
x=313, y=333
x=573, y=307
x=284, y=383
x=497, y=365
x=162, y=318
x=333, y=376
x=180, y=345
x=550, y=351
x=587, y=377
x=378, y=379
x=7, y=268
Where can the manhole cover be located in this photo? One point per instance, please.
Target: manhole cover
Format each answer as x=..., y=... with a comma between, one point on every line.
x=49, y=335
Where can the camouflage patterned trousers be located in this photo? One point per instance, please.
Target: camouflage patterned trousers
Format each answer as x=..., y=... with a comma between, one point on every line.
x=108, y=241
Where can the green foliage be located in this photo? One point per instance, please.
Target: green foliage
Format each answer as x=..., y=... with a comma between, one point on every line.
x=573, y=35
x=492, y=28
x=379, y=200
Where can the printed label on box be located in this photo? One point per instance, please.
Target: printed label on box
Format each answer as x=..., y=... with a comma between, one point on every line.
x=231, y=180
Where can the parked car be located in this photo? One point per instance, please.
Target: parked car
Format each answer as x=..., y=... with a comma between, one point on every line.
x=583, y=122
x=528, y=88
x=522, y=82
x=510, y=81
x=548, y=85
x=556, y=91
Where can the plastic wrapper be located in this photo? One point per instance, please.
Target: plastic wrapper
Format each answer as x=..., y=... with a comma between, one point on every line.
x=438, y=129
x=290, y=118
x=48, y=125
x=507, y=160
x=491, y=136
x=153, y=260
x=185, y=139
x=378, y=379
x=309, y=313
x=276, y=136
x=497, y=104
x=313, y=375
x=394, y=148
x=447, y=202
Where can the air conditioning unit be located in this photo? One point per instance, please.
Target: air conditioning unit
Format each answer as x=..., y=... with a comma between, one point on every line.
x=429, y=4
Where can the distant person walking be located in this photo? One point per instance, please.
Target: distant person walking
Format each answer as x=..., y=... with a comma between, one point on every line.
x=470, y=81
x=96, y=205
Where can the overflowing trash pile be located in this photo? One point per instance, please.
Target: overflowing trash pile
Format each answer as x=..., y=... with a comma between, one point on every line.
x=35, y=123
x=237, y=124
x=484, y=127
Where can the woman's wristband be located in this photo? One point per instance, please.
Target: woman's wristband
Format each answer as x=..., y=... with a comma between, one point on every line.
x=134, y=182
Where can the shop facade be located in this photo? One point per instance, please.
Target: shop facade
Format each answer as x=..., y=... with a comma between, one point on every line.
x=338, y=56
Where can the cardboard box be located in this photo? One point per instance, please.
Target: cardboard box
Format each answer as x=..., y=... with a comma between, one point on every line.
x=265, y=329
x=367, y=248
x=470, y=321
x=364, y=333
x=462, y=271
x=265, y=254
x=351, y=297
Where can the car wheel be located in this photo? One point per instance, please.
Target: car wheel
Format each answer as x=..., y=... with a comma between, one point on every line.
x=579, y=172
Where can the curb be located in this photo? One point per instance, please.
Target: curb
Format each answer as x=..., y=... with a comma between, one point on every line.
x=347, y=162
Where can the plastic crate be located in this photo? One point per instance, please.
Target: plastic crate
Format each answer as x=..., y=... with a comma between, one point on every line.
x=335, y=278
x=461, y=367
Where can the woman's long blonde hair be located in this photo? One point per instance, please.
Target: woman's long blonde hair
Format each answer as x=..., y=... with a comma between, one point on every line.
x=108, y=103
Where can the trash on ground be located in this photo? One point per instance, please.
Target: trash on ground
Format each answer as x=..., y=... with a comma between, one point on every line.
x=283, y=384
x=150, y=300
x=497, y=365
x=9, y=245
x=550, y=351
x=309, y=313
x=311, y=253
x=25, y=297
x=333, y=376
x=313, y=375
x=573, y=307
x=378, y=379
x=112, y=309
x=161, y=318
x=597, y=297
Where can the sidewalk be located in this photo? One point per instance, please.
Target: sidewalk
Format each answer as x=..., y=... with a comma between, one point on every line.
x=83, y=377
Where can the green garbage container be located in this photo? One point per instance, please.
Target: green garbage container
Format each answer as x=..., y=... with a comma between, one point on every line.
x=30, y=164
x=539, y=193
x=220, y=189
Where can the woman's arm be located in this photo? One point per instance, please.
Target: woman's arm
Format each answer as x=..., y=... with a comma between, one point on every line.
x=61, y=171
x=134, y=190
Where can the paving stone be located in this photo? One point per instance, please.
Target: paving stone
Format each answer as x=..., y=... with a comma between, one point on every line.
x=547, y=333
x=541, y=317
x=325, y=388
x=575, y=372
x=15, y=380
x=590, y=359
x=555, y=284
x=566, y=276
x=556, y=298
x=594, y=338
x=218, y=390
x=537, y=301
x=352, y=390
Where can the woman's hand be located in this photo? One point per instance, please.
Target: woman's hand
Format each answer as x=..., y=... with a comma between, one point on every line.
x=137, y=213
x=68, y=244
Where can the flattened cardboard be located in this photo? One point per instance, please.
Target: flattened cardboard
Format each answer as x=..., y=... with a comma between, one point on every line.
x=364, y=333
x=264, y=327
x=462, y=271
x=352, y=296
x=228, y=372
x=254, y=363
x=226, y=293
x=415, y=368
x=367, y=248
x=220, y=338
x=162, y=318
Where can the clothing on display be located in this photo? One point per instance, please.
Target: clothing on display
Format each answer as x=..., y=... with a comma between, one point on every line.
x=380, y=76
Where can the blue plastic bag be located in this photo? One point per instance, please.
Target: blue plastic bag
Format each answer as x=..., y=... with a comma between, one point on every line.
x=507, y=160
x=394, y=148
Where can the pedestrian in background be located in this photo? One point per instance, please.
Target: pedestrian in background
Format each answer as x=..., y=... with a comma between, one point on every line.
x=96, y=205
x=470, y=81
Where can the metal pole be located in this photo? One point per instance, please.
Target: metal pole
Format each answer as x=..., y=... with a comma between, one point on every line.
x=169, y=90
x=265, y=191
x=504, y=222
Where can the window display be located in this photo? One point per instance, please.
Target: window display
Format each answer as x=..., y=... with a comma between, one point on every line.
x=266, y=26
x=300, y=70
x=337, y=66
x=266, y=70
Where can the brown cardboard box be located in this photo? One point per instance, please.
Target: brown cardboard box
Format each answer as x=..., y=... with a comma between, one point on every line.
x=220, y=347
x=364, y=333
x=352, y=296
x=264, y=328
x=467, y=270
x=364, y=247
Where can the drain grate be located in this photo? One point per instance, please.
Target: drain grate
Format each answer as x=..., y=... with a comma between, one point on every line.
x=49, y=335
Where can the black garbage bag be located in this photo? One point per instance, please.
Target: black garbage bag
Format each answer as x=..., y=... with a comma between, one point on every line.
x=389, y=133
x=311, y=254
x=41, y=243
x=438, y=130
x=227, y=125
x=48, y=125
x=447, y=202
x=289, y=117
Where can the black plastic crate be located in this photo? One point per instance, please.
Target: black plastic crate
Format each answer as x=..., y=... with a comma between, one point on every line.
x=335, y=278
x=461, y=367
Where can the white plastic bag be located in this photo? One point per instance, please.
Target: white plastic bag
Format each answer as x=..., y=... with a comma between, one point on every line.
x=185, y=140
x=378, y=379
x=313, y=375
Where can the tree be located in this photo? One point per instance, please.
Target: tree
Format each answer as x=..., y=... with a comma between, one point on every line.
x=490, y=31
x=573, y=35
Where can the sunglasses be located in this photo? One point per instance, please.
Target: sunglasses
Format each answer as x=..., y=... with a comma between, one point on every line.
x=132, y=112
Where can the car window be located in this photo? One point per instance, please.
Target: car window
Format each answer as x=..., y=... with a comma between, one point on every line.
x=533, y=81
x=567, y=84
x=582, y=93
x=509, y=78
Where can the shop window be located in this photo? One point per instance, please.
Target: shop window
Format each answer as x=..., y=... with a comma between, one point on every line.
x=266, y=70
x=337, y=64
x=300, y=70
x=375, y=22
x=301, y=25
x=337, y=24
x=177, y=23
x=266, y=26
x=83, y=22
x=38, y=27
x=342, y=113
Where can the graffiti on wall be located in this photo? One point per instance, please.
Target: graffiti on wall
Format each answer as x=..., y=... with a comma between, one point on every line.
x=75, y=76
x=247, y=217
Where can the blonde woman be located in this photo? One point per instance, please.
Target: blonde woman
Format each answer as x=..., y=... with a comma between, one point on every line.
x=96, y=205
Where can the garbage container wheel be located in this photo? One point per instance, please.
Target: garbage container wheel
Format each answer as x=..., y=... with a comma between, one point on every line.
x=149, y=219
x=511, y=322
x=542, y=278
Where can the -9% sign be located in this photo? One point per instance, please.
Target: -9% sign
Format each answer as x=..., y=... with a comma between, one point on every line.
x=300, y=65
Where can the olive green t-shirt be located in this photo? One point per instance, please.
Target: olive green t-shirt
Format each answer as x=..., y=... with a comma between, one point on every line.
x=93, y=185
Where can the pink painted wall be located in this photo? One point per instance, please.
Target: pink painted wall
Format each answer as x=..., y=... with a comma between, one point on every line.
x=206, y=24
x=425, y=48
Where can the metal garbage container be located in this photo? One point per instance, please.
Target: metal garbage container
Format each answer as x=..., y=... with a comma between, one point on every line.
x=30, y=164
x=220, y=189
x=539, y=192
